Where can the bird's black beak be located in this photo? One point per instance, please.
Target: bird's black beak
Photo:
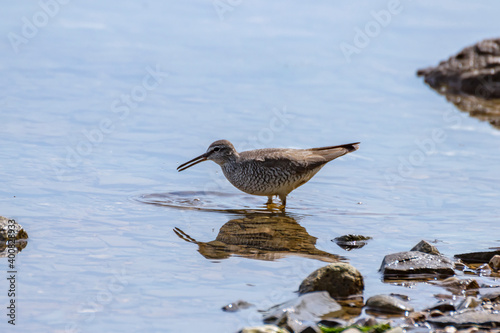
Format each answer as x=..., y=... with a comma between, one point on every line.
x=196, y=160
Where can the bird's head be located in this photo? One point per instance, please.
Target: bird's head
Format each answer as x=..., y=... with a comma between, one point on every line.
x=220, y=152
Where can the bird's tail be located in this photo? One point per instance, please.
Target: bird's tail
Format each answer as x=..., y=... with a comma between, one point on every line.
x=332, y=152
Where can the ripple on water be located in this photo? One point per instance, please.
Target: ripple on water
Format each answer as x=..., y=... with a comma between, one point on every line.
x=209, y=201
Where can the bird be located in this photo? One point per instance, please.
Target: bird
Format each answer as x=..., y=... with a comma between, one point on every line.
x=271, y=171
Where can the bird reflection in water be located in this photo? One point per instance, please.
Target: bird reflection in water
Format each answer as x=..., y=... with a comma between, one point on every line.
x=263, y=237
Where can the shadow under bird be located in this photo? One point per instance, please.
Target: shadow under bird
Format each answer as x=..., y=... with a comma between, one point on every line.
x=271, y=171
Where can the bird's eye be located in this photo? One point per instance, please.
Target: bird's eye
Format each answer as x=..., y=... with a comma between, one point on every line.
x=216, y=149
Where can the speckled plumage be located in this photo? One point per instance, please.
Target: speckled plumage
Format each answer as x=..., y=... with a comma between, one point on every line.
x=272, y=171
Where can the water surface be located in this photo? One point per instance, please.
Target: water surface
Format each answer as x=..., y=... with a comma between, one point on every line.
x=78, y=154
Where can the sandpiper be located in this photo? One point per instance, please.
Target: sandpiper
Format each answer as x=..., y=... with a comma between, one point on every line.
x=272, y=171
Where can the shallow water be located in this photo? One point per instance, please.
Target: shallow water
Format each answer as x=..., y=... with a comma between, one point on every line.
x=80, y=161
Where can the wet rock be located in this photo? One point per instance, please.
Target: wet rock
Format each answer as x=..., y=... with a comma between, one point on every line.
x=473, y=71
x=436, y=313
x=458, y=286
x=264, y=329
x=416, y=265
x=495, y=263
x=13, y=238
x=340, y=280
x=370, y=321
x=388, y=304
x=302, y=313
x=236, y=306
x=477, y=257
x=10, y=229
x=468, y=303
x=470, y=80
x=467, y=319
x=443, y=306
x=425, y=247
x=350, y=242
x=493, y=296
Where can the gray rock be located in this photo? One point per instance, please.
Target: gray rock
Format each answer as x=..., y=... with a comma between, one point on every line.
x=495, y=263
x=303, y=312
x=388, y=304
x=416, y=265
x=425, y=247
x=340, y=280
x=264, y=329
x=467, y=319
x=477, y=257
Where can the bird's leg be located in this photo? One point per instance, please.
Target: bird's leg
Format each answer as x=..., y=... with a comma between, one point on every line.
x=269, y=200
x=283, y=201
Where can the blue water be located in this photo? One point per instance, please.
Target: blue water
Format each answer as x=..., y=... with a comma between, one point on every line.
x=101, y=102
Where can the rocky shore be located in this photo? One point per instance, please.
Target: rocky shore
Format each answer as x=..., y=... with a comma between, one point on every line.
x=331, y=299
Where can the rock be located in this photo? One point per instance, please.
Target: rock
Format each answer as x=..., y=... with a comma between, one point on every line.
x=16, y=231
x=443, y=306
x=477, y=257
x=236, y=306
x=466, y=319
x=458, y=286
x=493, y=296
x=495, y=263
x=340, y=280
x=416, y=265
x=473, y=71
x=303, y=312
x=425, y=247
x=13, y=238
x=264, y=329
x=350, y=242
x=468, y=303
x=470, y=80
x=388, y=304
x=436, y=313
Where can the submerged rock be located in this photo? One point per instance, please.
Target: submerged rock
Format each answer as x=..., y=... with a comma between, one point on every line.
x=302, y=313
x=459, y=286
x=340, y=280
x=477, y=257
x=470, y=80
x=425, y=247
x=388, y=304
x=416, y=265
x=236, y=306
x=350, y=242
